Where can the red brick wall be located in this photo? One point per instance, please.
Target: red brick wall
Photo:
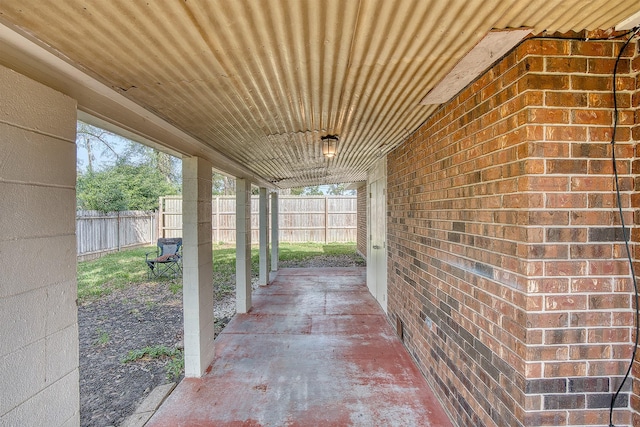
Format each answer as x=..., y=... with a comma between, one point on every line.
x=635, y=201
x=506, y=266
x=362, y=220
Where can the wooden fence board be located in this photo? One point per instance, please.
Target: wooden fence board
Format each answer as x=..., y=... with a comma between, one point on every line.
x=322, y=219
x=98, y=233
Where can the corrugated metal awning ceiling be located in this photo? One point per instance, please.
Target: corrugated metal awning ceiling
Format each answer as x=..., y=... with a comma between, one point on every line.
x=262, y=81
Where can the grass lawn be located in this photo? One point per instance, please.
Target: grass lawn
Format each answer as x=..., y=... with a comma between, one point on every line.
x=115, y=271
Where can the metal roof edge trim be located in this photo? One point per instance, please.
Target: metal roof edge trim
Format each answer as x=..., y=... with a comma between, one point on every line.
x=629, y=22
x=355, y=185
x=490, y=49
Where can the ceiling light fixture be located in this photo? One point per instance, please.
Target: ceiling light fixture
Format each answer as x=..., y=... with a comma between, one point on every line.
x=329, y=145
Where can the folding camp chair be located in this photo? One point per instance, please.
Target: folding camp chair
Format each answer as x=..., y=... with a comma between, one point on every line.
x=167, y=259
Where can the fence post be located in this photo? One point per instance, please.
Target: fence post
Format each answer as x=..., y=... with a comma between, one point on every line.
x=326, y=219
x=217, y=219
x=160, y=217
x=152, y=225
x=118, y=231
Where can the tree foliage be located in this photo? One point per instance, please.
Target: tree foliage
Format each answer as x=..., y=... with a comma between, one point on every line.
x=122, y=174
x=339, y=190
x=166, y=164
x=123, y=187
x=313, y=190
x=318, y=190
x=223, y=185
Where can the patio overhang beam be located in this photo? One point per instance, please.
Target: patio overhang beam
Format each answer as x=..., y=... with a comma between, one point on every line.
x=102, y=106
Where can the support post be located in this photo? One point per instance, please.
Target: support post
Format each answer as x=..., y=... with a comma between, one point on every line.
x=198, y=266
x=264, y=237
x=243, y=246
x=275, y=239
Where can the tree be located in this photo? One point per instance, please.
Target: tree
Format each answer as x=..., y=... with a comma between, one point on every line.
x=97, y=142
x=166, y=164
x=313, y=190
x=339, y=190
x=123, y=187
x=223, y=185
x=103, y=145
x=133, y=176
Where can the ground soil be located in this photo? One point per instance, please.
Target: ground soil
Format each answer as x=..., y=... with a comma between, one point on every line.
x=147, y=314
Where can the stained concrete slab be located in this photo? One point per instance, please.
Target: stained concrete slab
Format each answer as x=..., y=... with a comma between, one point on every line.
x=315, y=349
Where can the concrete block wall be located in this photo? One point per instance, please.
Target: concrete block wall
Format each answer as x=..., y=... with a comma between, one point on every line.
x=38, y=315
x=361, y=214
x=506, y=266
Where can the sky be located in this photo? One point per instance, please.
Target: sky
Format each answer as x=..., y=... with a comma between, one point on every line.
x=100, y=160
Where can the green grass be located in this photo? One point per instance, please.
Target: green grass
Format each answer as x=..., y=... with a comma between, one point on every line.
x=224, y=260
x=175, y=287
x=99, y=277
x=174, y=366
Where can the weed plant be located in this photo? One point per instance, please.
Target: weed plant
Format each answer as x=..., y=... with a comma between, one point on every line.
x=175, y=356
x=103, y=337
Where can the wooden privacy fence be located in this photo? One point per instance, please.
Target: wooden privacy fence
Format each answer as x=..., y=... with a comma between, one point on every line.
x=319, y=219
x=98, y=233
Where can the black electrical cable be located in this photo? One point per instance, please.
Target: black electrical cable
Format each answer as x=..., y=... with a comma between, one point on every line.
x=585, y=39
x=625, y=233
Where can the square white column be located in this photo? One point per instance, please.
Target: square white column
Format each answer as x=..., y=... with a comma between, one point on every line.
x=264, y=237
x=243, y=246
x=275, y=240
x=198, y=266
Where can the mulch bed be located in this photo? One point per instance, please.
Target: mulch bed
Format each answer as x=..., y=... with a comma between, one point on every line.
x=147, y=314
x=144, y=315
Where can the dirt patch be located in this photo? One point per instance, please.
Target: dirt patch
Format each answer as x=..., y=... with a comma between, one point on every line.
x=326, y=261
x=143, y=315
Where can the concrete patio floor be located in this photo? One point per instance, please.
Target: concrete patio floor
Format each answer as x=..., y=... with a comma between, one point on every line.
x=315, y=350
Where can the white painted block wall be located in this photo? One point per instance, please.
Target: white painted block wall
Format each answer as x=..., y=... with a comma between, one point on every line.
x=38, y=315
